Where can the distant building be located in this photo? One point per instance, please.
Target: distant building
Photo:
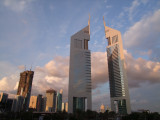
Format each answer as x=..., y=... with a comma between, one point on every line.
x=35, y=103
x=14, y=105
x=51, y=100
x=143, y=110
x=108, y=108
x=43, y=105
x=25, y=86
x=19, y=103
x=119, y=93
x=3, y=101
x=59, y=100
x=63, y=106
x=39, y=103
x=79, y=95
x=3, y=97
x=66, y=106
x=9, y=105
x=102, y=108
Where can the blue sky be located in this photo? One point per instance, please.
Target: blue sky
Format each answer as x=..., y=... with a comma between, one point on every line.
x=37, y=33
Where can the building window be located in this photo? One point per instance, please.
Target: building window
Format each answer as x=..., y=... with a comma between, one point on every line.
x=109, y=41
x=114, y=39
x=86, y=44
x=77, y=43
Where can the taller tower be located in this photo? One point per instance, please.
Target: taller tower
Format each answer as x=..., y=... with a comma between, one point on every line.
x=25, y=86
x=120, y=100
x=79, y=96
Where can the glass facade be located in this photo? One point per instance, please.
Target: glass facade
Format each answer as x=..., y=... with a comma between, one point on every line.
x=119, y=94
x=59, y=102
x=78, y=103
x=116, y=74
x=80, y=72
x=120, y=106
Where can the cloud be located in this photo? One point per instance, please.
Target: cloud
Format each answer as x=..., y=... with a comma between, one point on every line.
x=132, y=9
x=99, y=68
x=17, y=5
x=55, y=74
x=140, y=70
x=8, y=83
x=144, y=35
x=108, y=6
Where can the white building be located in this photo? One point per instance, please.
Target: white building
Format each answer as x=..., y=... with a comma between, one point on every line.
x=79, y=96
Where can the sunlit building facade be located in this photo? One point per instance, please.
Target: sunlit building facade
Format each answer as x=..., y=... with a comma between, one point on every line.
x=33, y=102
x=51, y=96
x=79, y=96
x=119, y=93
x=102, y=108
x=66, y=106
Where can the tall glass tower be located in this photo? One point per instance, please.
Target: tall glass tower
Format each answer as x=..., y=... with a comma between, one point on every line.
x=79, y=96
x=119, y=94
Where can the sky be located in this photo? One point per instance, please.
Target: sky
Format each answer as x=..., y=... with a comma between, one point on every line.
x=36, y=34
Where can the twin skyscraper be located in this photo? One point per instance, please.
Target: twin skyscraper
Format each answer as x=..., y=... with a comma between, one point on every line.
x=80, y=86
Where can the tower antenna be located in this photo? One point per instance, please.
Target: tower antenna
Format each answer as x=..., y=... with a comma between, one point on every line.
x=104, y=22
x=25, y=68
x=31, y=67
x=89, y=23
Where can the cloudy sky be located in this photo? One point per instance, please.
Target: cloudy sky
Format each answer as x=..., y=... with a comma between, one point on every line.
x=37, y=33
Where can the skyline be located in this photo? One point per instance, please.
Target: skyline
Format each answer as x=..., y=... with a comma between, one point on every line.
x=37, y=33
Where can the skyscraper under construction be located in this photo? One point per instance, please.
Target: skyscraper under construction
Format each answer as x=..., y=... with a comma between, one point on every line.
x=25, y=86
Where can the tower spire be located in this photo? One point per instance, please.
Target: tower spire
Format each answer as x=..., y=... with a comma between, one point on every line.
x=104, y=22
x=89, y=23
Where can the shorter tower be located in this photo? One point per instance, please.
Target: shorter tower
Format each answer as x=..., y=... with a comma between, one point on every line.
x=25, y=86
x=80, y=88
x=51, y=100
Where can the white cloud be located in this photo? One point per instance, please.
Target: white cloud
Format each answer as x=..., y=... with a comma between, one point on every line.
x=8, y=83
x=108, y=6
x=131, y=9
x=17, y=5
x=16, y=86
x=55, y=73
x=144, y=35
x=4, y=84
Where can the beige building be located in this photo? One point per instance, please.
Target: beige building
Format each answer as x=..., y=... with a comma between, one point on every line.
x=102, y=108
x=51, y=100
x=33, y=102
x=63, y=106
x=66, y=106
